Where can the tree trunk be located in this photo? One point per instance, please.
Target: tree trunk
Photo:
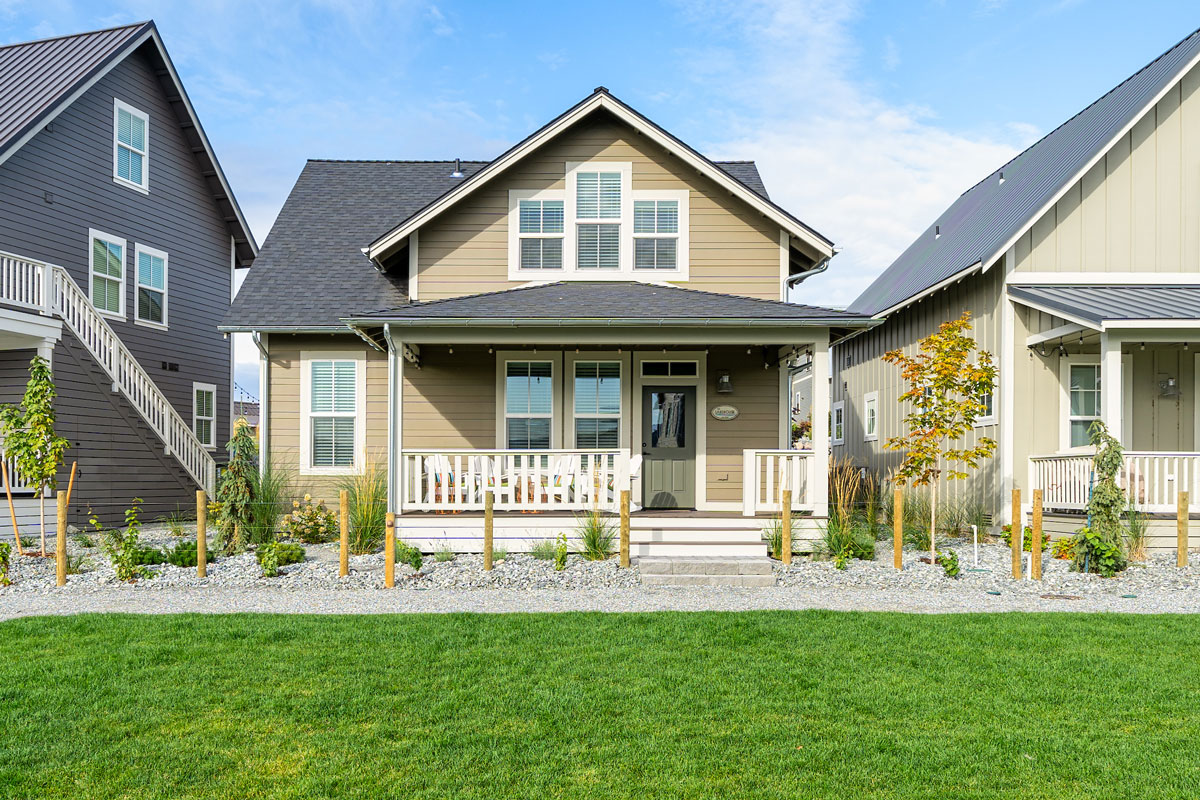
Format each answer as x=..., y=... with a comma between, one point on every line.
x=42, y=512
x=933, y=522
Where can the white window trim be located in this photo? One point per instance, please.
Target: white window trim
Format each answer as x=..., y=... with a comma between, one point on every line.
x=870, y=401
x=138, y=249
x=836, y=411
x=990, y=419
x=515, y=273
x=359, y=358
x=144, y=186
x=556, y=405
x=206, y=387
x=622, y=415
x=1064, y=417
x=680, y=196
x=94, y=234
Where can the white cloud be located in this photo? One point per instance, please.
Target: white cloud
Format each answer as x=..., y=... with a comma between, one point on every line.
x=867, y=173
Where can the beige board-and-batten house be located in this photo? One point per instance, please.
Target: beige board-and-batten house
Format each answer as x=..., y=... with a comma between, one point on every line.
x=601, y=307
x=1079, y=261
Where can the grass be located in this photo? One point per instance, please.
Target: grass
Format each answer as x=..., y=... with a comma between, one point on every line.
x=755, y=705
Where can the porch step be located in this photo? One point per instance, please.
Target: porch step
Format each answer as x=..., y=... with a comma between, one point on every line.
x=699, y=548
x=711, y=571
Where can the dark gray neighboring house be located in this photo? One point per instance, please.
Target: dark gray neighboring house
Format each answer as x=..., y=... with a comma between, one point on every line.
x=119, y=237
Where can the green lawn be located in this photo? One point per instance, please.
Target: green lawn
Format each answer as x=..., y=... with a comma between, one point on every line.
x=785, y=705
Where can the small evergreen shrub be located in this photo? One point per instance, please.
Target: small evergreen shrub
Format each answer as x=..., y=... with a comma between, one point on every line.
x=311, y=522
x=184, y=555
x=147, y=556
x=407, y=554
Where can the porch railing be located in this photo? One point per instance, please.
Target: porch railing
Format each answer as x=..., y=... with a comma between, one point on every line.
x=765, y=473
x=1152, y=480
x=522, y=480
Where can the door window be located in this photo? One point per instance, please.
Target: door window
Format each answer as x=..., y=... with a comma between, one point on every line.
x=667, y=420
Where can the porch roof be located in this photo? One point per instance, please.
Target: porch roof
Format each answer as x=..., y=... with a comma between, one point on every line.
x=1101, y=307
x=610, y=303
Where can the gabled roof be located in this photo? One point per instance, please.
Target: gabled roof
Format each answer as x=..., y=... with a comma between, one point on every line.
x=988, y=219
x=609, y=303
x=1099, y=307
x=39, y=79
x=600, y=99
x=333, y=210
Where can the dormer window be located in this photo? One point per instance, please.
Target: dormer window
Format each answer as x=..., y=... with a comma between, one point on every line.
x=131, y=147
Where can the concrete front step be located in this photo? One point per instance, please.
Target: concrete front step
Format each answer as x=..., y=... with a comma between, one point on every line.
x=708, y=580
x=705, y=566
x=698, y=548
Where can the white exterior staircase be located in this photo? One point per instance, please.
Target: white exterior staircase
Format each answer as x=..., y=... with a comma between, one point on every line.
x=51, y=291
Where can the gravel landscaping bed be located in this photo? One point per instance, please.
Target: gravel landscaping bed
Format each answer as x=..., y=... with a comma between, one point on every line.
x=523, y=583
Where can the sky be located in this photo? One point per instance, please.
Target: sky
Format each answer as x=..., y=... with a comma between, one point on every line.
x=866, y=118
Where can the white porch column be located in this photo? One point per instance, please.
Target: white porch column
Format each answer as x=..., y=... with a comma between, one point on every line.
x=819, y=472
x=1111, y=383
x=395, y=457
x=46, y=350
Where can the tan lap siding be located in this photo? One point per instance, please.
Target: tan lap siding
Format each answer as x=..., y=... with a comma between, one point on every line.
x=451, y=400
x=283, y=406
x=734, y=250
x=756, y=396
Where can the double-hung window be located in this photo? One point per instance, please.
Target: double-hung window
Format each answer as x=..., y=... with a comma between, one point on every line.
x=655, y=234
x=528, y=404
x=1084, y=408
x=204, y=413
x=540, y=223
x=333, y=411
x=597, y=393
x=151, y=285
x=131, y=146
x=837, y=423
x=106, y=273
x=598, y=220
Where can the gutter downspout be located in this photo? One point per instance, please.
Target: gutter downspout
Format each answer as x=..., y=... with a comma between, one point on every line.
x=264, y=392
x=792, y=281
x=393, y=423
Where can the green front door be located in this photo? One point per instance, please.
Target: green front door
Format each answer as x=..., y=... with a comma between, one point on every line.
x=669, y=447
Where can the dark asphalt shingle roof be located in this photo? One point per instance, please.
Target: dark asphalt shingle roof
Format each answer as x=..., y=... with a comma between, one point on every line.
x=310, y=271
x=1099, y=304
x=987, y=216
x=604, y=300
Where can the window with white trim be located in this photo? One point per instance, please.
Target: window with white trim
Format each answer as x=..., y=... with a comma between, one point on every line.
x=871, y=417
x=333, y=411
x=106, y=273
x=655, y=234
x=540, y=225
x=131, y=146
x=988, y=415
x=204, y=413
x=597, y=220
x=597, y=393
x=1084, y=402
x=151, y=305
x=837, y=423
x=528, y=404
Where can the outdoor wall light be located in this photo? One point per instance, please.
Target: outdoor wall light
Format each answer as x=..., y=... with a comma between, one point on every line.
x=724, y=382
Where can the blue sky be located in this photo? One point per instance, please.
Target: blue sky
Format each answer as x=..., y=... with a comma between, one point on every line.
x=866, y=118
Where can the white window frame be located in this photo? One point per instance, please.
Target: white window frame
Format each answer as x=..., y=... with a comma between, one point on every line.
x=144, y=186
x=93, y=235
x=569, y=400
x=138, y=249
x=988, y=419
x=1065, y=416
x=837, y=418
x=205, y=387
x=515, y=196
x=625, y=221
x=870, y=406
x=681, y=270
x=359, y=358
x=556, y=404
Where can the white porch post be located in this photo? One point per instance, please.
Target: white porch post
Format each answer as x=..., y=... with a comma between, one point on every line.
x=818, y=476
x=1111, y=383
x=46, y=350
x=395, y=456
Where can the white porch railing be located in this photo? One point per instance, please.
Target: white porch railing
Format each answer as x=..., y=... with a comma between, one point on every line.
x=23, y=283
x=522, y=480
x=766, y=473
x=1152, y=480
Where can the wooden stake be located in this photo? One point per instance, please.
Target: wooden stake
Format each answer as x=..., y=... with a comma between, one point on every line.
x=785, y=539
x=898, y=528
x=12, y=511
x=201, y=534
x=1018, y=534
x=344, y=525
x=60, y=547
x=71, y=482
x=389, y=551
x=1035, y=556
x=1181, y=530
x=488, y=500
x=624, y=527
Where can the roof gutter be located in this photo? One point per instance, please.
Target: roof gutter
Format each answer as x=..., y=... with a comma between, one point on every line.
x=663, y=322
x=792, y=281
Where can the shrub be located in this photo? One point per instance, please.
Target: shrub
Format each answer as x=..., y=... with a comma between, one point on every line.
x=122, y=547
x=184, y=555
x=1098, y=546
x=284, y=553
x=596, y=535
x=1096, y=553
x=560, y=552
x=268, y=559
x=542, y=550
x=407, y=554
x=949, y=563
x=5, y=553
x=271, y=488
x=1063, y=548
x=149, y=555
x=368, y=508
x=311, y=522
x=236, y=490
x=844, y=540
x=1027, y=540
x=446, y=554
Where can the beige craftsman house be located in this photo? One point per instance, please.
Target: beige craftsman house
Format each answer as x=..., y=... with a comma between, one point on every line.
x=600, y=307
x=1080, y=263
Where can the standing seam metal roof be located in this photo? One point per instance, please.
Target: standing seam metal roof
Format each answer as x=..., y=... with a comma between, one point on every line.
x=992, y=212
x=1100, y=304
